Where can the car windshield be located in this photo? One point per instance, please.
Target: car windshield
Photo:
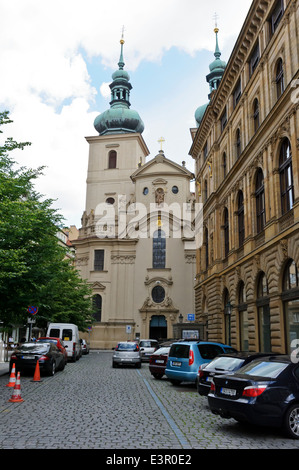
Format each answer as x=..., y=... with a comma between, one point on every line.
x=225, y=363
x=147, y=344
x=263, y=369
x=36, y=348
x=209, y=351
x=161, y=351
x=47, y=341
x=126, y=347
x=180, y=350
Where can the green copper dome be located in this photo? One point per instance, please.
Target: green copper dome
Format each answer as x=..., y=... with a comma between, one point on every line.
x=199, y=113
x=119, y=118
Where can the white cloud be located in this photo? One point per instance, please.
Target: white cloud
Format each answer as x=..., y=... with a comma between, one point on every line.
x=45, y=83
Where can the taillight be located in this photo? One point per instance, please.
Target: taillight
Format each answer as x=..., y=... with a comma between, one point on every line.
x=13, y=357
x=253, y=391
x=74, y=347
x=212, y=388
x=44, y=358
x=200, y=372
x=191, y=357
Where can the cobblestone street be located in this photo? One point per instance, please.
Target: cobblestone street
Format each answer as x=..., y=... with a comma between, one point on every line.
x=92, y=406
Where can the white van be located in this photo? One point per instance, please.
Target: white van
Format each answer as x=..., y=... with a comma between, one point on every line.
x=69, y=334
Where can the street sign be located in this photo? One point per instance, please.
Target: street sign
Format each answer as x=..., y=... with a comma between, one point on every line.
x=33, y=310
x=191, y=317
x=128, y=329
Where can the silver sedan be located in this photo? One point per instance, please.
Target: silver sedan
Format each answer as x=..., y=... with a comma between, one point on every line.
x=126, y=353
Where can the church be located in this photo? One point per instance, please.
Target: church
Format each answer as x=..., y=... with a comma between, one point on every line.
x=136, y=245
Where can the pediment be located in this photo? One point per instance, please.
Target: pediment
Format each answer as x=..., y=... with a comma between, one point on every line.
x=98, y=286
x=162, y=166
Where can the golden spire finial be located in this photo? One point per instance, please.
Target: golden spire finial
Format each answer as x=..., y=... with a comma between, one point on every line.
x=161, y=140
x=216, y=29
x=122, y=41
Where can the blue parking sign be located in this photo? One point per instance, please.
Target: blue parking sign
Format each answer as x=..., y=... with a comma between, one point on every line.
x=191, y=316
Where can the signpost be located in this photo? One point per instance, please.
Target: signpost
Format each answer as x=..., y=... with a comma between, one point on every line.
x=33, y=311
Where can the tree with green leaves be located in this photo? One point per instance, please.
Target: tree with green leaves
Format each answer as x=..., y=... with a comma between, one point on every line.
x=33, y=265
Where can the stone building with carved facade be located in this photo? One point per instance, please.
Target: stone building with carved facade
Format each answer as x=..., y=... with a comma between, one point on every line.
x=245, y=148
x=136, y=244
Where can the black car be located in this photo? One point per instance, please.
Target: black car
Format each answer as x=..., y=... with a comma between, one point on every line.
x=223, y=364
x=49, y=356
x=264, y=392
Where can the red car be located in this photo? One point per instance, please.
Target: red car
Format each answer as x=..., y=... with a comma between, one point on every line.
x=57, y=341
x=158, y=361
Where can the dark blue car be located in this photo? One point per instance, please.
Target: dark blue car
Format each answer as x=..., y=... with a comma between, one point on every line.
x=264, y=392
x=185, y=357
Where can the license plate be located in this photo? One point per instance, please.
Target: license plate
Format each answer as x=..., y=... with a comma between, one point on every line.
x=229, y=391
x=27, y=357
x=178, y=364
x=126, y=359
x=159, y=361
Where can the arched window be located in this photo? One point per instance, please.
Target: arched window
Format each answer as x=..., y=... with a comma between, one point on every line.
x=290, y=297
x=226, y=232
x=279, y=79
x=159, y=249
x=112, y=158
x=205, y=191
x=243, y=317
x=286, y=177
x=260, y=201
x=97, y=304
x=238, y=143
x=256, y=115
x=263, y=308
x=241, y=224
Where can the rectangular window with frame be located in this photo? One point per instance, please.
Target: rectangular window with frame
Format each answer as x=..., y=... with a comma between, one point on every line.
x=223, y=120
x=254, y=59
x=275, y=16
x=237, y=93
x=99, y=260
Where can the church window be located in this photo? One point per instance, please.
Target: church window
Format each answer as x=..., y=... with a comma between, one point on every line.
x=112, y=158
x=286, y=177
x=145, y=191
x=110, y=200
x=159, y=250
x=158, y=294
x=97, y=307
x=99, y=260
x=175, y=189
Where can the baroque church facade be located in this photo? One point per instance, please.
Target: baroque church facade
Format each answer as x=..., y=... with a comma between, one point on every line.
x=245, y=149
x=136, y=243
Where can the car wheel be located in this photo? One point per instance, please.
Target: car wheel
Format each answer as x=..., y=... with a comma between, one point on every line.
x=291, y=423
x=158, y=376
x=52, y=369
x=175, y=382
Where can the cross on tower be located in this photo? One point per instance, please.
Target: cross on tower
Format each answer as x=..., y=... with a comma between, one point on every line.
x=161, y=140
x=216, y=18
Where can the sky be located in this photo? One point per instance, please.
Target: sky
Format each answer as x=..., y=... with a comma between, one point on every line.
x=57, y=59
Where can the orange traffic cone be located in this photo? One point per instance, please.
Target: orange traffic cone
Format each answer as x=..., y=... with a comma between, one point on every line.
x=16, y=394
x=12, y=378
x=36, y=377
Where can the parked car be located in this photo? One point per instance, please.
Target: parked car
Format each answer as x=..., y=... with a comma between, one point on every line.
x=158, y=361
x=264, y=392
x=50, y=358
x=126, y=353
x=147, y=348
x=59, y=343
x=185, y=357
x=84, y=346
x=223, y=364
x=69, y=333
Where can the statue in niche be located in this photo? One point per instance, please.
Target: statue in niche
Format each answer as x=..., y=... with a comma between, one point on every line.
x=159, y=196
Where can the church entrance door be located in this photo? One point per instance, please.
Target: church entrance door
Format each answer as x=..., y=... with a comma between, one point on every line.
x=158, y=327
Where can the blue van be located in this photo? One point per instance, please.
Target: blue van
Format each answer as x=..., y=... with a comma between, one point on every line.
x=185, y=357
